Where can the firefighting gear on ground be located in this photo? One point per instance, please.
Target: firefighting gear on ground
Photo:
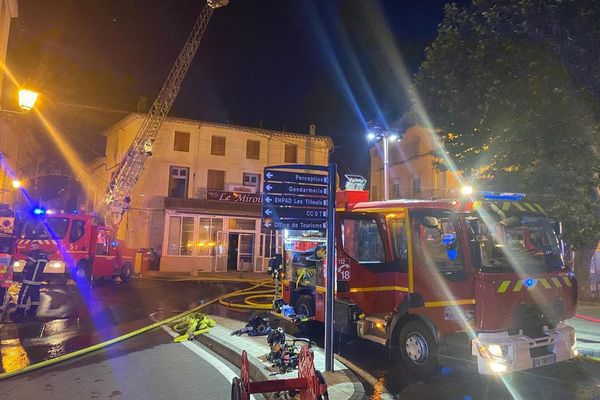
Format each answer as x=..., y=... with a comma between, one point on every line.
x=193, y=325
x=257, y=326
x=283, y=353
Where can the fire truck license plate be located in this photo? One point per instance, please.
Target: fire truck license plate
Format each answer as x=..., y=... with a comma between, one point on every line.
x=544, y=360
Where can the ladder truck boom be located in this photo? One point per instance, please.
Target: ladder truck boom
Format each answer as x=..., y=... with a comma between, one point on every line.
x=117, y=197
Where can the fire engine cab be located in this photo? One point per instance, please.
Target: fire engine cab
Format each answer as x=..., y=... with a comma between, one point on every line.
x=412, y=272
x=77, y=246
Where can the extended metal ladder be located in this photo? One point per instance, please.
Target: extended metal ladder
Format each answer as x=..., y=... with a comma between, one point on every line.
x=118, y=193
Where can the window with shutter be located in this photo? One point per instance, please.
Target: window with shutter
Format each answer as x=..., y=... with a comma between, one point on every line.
x=182, y=141
x=253, y=149
x=291, y=153
x=215, y=180
x=217, y=146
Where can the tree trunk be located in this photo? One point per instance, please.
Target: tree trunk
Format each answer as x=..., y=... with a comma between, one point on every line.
x=583, y=258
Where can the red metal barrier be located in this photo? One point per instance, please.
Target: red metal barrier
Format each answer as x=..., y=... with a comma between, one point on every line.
x=310, y=383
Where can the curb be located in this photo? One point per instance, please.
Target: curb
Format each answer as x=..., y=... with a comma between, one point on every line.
x=233, y=354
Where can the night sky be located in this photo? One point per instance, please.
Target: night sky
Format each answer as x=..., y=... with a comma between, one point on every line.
x=282, y=64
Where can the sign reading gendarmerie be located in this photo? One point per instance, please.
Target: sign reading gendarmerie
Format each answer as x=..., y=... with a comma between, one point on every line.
x=290, y=188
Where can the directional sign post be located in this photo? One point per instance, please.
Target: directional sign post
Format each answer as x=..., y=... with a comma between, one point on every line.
x=305, y=201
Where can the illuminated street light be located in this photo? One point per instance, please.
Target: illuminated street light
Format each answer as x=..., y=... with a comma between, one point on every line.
x=387, y=137
x=466, y=190
x=27, y=99
x=16, y=184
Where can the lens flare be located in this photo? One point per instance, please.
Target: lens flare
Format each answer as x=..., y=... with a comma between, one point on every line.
x=69, y=154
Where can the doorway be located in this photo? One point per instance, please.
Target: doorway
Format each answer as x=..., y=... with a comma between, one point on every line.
x=240, y=252
x=232, y=251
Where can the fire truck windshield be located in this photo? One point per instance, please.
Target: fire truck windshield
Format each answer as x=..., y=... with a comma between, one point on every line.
x=519, y=242
x=50, y=228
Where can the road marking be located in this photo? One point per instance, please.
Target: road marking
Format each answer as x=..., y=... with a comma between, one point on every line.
x=212, y=360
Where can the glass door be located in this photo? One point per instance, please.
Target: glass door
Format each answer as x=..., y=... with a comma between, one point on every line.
x=245, y=260
x=221, y=251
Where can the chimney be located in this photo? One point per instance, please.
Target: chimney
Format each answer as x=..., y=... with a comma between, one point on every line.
x=312, y=129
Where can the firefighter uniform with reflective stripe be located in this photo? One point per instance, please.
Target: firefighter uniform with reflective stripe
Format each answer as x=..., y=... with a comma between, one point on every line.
x=5, y=278
x=33, y=272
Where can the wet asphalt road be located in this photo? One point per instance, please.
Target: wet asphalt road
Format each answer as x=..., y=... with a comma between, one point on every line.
x=146, y=367
x=70, y=318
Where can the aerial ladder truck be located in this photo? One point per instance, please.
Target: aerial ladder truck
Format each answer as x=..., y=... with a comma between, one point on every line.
x=118, y=193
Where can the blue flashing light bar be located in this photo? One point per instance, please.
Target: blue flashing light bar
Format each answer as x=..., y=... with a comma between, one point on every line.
x=502, y=196
x=529, y=282
x=39, y=211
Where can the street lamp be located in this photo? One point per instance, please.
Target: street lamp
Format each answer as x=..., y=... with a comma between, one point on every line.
x=466, y=190
x=16, y=184
x=387, y=137
x=27, y=99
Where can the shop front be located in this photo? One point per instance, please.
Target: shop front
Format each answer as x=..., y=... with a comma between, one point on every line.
x=219, y=234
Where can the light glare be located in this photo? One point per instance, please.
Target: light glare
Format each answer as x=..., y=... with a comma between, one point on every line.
x=466, y=190
x=27, y=99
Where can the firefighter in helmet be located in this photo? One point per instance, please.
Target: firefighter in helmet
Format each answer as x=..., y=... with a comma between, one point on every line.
x=29, y=295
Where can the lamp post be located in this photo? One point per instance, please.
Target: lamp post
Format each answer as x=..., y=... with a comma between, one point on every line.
x=387, y=137
x=27, y=99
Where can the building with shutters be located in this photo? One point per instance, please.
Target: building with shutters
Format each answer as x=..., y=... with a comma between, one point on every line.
x=412, y=170
x=198, y=201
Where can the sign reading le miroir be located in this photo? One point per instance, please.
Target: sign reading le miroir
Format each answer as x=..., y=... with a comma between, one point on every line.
x=234, y=197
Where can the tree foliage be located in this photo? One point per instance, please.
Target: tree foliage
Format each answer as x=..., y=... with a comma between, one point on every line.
x=514, y=85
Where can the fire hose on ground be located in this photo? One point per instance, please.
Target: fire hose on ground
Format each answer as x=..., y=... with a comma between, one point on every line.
x=174, y=319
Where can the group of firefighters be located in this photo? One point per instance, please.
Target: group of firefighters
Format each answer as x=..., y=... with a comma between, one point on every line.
x=29, y=293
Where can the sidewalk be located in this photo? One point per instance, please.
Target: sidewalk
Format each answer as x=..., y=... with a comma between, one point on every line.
x=587, y=328
x=342, y=383
x=589, y=309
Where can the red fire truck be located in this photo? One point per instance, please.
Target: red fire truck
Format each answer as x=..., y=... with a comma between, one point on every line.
x=77, y=246
x=412, y=272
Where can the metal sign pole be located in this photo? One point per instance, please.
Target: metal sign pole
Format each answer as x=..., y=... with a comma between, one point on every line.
x=330, y=267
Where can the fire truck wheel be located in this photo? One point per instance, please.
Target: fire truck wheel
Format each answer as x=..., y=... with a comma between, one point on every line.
x=418, y=348
x=126, y=272
x=305, y=305
x=82, y=271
